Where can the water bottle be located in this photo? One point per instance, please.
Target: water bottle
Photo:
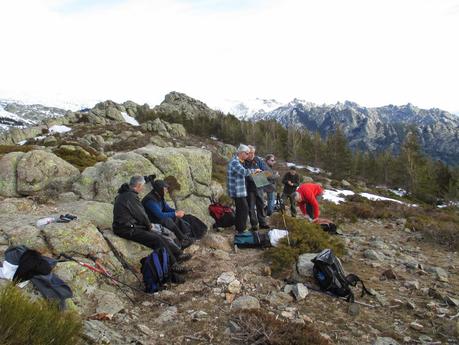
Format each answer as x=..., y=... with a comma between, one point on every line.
x=44, y=221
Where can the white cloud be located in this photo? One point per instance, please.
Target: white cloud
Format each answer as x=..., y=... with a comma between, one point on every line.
x=374, y=53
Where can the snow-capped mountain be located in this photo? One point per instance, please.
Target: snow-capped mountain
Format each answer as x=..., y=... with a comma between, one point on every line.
x=247, y=109
x=373, y=129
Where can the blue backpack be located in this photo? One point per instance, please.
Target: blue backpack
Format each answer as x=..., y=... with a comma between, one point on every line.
x=155, y=270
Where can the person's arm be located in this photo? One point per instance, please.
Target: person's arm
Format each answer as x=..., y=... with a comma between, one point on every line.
x=155, y=209
x=138, y=213
x=262, y=165
x=285, y=178
x=241, y=171
x=296, y=181
x=167, y=208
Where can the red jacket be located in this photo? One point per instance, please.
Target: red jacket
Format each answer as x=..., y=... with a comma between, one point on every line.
x=309, y=192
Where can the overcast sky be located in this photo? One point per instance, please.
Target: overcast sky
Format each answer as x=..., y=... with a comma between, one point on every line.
x=373, y=52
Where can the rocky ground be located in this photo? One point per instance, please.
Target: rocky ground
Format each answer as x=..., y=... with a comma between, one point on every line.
x=416, y=287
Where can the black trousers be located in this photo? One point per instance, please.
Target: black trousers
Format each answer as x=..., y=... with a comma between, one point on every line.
x=242, y=212
x=292, y=203
x=150, y=239
x=177, y=226
x=256, y=208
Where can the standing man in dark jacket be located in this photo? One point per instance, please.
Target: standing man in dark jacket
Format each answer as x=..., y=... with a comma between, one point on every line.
x=255, y=195
x=159, y=212
x=271, y=189
x=291, y=181
x=131, y=222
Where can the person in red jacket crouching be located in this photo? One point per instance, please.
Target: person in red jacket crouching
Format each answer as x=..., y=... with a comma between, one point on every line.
x=306, y=197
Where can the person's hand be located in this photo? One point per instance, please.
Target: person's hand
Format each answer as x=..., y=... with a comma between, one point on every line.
x=290, y=183
x=258, y=171
x=179, y=214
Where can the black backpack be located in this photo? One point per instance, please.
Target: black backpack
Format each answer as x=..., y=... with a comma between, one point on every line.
x=330, y=276
x=197, y=226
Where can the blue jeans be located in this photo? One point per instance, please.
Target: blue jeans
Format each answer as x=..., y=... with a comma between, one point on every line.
x=271, y=202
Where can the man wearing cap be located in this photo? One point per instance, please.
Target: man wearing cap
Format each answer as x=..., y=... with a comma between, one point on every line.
x=291, y=180
x=159, y=212
x=306, y=197
x=255, y=199
x=236, y=174
x=131, y=222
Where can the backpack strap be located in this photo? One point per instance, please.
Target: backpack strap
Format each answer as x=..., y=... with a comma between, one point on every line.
x=157, y=265
x=353, y=279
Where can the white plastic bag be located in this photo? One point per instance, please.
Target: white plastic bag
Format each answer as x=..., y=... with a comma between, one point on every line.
x=275, y=235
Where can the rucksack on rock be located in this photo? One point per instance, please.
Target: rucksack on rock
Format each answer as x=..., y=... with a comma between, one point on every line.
x=155, y=270
x=224, y=215
x=330, y=276
x=251, y=239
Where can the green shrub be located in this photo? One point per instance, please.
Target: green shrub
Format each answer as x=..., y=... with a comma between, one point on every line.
x=23, y=321
x=304, y=238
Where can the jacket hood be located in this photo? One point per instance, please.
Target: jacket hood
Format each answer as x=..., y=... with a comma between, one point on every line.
x=124, y=188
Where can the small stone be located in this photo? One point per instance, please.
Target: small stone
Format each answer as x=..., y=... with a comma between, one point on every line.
x=452, y=301
x=199, y=315
x=266, y=271
x=425, y=339
x=288, y=315
x=353, y=309
x=300, y=291
x=416, y=326
x=412, y=284
x=440, y=273
x=245, y=302
x=385, y=341
x=234, y=287
x=373, y=255
x=234, y=327
x=288, y=288
x=168, y=315
x=226, y=278
x=307, y=319
x=388, y=274
x=144, y=329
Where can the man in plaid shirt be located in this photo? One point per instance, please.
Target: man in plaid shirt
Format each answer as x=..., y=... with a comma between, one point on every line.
x=236, y=185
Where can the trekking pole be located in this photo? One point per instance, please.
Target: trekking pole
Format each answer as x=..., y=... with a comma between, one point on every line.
x=105, y=274
x=282, y=209
x=340, y=298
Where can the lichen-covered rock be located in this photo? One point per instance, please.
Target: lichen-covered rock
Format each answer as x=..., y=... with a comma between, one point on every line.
x=97, y=213
x=19, y=231
x=102, y=181
x=130, y=251
x=200, y=162
x=78, y=236
x=171, y=163
x=8, y=165
x=37, y=169
x=226, y=151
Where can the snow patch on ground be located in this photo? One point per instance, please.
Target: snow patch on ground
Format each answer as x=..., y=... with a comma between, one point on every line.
x=58, y=129
x=129, y=119
x=336, y=196
x=313, y=169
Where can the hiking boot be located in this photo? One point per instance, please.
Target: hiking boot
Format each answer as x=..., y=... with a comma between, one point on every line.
x=186, y=242
x=177, y=278
x=265, y=226
x=176, y=268
x=184, y=257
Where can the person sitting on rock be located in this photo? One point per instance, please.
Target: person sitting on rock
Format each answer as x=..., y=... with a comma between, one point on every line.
x=131, y=222
x=159, y=212
x=306, y=197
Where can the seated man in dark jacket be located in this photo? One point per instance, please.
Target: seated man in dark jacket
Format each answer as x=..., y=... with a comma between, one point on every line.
x=159, y=212
x=131, y=222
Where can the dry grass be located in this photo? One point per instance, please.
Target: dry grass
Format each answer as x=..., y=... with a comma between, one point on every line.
x=261, y=328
